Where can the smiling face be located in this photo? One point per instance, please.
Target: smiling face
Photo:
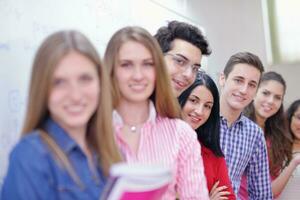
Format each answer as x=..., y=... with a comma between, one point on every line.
x=198, y=107
x=181, y=60
x=239, y=88
x=295, y=124
x=74, y=92
x=135, y=73
x=268, y=99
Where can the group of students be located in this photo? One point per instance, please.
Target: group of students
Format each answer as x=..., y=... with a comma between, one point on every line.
x=149, y=102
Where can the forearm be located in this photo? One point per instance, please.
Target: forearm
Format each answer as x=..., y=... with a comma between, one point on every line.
x=280, y=182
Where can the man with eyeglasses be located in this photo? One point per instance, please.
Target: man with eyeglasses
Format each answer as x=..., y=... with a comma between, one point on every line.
x=183, y=46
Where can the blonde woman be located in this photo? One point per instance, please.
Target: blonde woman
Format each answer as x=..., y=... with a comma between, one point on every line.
x=67, y=146
x=147, y=128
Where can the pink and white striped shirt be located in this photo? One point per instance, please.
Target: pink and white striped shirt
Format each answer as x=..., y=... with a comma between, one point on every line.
x=172, y=143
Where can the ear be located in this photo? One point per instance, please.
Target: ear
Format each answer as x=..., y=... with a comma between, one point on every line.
x=222, y=79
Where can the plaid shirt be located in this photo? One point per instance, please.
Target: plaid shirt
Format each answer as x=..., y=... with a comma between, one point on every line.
x=244, y=147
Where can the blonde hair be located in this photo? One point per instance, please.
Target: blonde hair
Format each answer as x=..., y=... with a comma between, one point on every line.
x=53, y=49
x=165, y=101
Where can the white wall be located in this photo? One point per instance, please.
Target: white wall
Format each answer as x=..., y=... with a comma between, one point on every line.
x=238, y=25
x=24, y=25
x=231, y=26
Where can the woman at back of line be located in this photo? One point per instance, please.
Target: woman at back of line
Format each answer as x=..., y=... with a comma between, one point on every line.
x=201, y=110
x=67, y=145
x=267, y=111
x=291, y=190
x=146, y=113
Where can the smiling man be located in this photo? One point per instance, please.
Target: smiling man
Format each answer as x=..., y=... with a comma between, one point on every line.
x=183, y=46
x=242, y=141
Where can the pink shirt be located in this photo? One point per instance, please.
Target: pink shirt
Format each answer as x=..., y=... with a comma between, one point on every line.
x=172, y=143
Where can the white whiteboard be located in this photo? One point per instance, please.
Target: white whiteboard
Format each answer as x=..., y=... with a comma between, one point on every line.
x=25, y=23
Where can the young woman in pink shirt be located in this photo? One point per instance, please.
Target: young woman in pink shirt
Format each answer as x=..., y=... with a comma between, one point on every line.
x=147, y=128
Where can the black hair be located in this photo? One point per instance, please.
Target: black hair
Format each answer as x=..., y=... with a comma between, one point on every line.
x=209, y=133
x=290, y=113
x=181, y=30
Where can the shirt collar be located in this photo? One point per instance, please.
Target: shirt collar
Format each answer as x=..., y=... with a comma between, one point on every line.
x=240, y=120
x=60, y=136
x=117, y=119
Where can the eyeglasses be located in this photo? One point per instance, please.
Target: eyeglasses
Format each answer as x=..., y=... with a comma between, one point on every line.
x=183, y=63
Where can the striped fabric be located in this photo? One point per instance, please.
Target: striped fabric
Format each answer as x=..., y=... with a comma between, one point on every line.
x=244, y=147
x=172, y=143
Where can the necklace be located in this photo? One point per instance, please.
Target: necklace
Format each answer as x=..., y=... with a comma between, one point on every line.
x=133, y=129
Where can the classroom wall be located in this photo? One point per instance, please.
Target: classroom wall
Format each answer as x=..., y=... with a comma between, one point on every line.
x=25, y=24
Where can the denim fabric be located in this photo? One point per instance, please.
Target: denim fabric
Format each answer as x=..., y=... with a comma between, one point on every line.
x=34, y=173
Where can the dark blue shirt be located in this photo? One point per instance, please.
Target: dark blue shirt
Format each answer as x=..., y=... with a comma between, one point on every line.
x=34, y=173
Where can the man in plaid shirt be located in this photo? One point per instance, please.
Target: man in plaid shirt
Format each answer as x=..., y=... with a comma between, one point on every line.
x=242, y=141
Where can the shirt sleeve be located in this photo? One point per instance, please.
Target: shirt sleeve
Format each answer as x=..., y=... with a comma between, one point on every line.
x=224, y=178
x=191, y=182
x=27, y=175
x=259, y=183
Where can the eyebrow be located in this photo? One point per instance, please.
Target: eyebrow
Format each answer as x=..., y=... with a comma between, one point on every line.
x=254, y=82
x=200, y=99
x=185, y=58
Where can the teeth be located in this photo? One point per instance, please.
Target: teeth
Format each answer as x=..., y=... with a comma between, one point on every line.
x=137, y=87
x=238, y=97
x=267, y=108
x=75, y=109
x=181, y=84
x=195, y=118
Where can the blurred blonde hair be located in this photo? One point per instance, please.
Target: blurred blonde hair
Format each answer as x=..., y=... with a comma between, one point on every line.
x=51, y=52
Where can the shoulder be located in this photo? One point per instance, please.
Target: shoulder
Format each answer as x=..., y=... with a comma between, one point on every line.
x=252, y=128
x=178, y=131
x=209, y=156
x=29, y=147
x=179, y=127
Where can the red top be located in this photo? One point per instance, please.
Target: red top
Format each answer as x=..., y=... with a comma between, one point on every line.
x=215, y=169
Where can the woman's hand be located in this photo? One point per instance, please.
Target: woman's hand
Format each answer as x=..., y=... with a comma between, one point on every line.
x=218, y=192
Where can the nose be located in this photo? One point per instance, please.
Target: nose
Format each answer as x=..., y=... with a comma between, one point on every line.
x=137, y=73
x=200, y=109
x=75, y=92
x=188, y=72
x=244, y=88
x=270, y=100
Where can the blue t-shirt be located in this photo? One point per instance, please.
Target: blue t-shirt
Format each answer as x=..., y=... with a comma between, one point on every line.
x=34, y=172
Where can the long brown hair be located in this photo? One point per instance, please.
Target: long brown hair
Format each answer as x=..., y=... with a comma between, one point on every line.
x=53, y=49
x=275, y=129
x=165, y=101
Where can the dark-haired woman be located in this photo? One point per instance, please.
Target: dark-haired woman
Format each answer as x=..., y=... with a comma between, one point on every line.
x=267, y=111
x=200, y=109
x=291, y=190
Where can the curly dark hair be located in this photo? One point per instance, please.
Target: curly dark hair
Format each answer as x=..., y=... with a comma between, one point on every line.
x=275, y=129
x=181, y=30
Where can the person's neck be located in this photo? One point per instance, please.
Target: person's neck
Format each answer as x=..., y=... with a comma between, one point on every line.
x=231, y=115
x=261, y=121
x=133, y=113
x=296, y=145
